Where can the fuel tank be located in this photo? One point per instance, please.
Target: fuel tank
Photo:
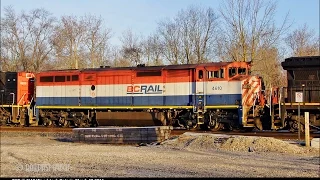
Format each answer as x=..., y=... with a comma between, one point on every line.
x=130, y=118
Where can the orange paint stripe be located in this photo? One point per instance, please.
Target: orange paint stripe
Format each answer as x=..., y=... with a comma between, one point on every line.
x=245, y=91
x=248, y=93
x=250, y=100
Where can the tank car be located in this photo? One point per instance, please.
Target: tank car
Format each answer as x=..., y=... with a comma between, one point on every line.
x=210, y=95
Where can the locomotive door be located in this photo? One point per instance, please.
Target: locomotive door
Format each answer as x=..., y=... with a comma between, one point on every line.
x=89, y=88
x=200, y=91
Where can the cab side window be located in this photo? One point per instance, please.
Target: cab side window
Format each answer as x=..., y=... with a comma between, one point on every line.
x=216, y=74
x=242, y=71
x=232, y=71
x=213, y=74
x=200, y=75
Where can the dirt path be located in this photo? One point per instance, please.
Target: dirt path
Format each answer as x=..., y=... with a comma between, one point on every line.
x=189, y=156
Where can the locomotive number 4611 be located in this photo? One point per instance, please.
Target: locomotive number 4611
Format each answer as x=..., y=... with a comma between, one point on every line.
x=217, y=88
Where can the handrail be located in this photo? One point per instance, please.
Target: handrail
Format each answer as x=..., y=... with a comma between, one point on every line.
x=12, y=98
x=33, y=107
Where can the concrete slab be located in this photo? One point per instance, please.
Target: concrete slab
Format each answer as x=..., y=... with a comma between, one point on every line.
x=122, y=135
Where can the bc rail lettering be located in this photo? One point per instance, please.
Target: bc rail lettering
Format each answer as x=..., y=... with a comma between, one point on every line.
x=144, y=89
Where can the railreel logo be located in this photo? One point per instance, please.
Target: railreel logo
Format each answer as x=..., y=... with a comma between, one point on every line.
x=144, y=89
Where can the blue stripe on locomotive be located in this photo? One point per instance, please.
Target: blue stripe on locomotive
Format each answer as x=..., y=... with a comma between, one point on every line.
x=222, y=99
x=186, y=100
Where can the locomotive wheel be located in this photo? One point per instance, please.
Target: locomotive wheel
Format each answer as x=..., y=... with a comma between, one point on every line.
x=294, y=126
x=3, y=121
x=217, y=127
x=214, y=125
x=189, y=125
x=287, y=124
x=84, y=125
x=66, y=123
x=47, y=122
x=195, y=127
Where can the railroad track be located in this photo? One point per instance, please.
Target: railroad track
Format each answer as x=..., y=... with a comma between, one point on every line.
x=35, y=129
x=176, y=132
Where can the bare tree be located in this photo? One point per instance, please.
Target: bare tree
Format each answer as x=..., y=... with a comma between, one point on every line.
x=249, y=25
x=131, y=47
x=199, y=28
x=25, y=39
x=116, y=58
x=41, y=25
x=152, y=50
x=170, y=34
x=303, y=42
x=190, y=37
x=13, y=40
x=271, y=70
x=251, y=34
x=96, y=40
x=68, y=41
x=33, y=42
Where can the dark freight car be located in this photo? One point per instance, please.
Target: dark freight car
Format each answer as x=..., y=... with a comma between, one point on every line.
x=303, y=75
x=8, y=88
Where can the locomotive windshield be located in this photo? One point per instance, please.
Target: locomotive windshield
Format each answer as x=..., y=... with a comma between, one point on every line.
x=233, y=71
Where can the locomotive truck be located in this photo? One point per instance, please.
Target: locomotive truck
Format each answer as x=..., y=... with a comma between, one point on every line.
x=217, y=95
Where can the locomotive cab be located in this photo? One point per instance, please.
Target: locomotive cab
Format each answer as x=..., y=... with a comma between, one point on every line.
x=17, y=92
x=223, y=95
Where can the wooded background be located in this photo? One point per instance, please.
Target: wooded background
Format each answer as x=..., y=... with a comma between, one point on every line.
x=240, y=30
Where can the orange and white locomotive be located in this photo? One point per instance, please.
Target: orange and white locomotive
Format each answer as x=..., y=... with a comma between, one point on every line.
x=210, y=95
x=217, y=95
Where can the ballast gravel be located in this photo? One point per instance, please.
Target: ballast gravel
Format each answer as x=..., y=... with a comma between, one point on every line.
x=187, y=155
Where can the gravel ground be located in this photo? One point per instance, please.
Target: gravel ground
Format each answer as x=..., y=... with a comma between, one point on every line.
x=54, y=155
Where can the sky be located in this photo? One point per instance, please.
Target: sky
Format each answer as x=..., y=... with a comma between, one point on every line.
x=141, y=16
